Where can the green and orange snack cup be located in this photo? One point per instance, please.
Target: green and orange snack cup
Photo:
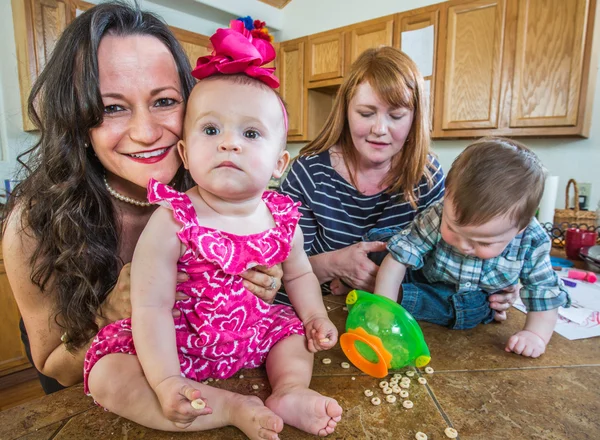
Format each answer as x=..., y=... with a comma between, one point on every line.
x=381, y=335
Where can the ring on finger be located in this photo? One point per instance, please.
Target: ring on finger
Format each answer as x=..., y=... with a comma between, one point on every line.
x=273, y=284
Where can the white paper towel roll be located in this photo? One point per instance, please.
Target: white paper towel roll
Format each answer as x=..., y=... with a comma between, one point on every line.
x=548, y=202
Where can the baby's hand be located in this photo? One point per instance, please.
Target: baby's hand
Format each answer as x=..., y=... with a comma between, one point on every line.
x=176, y=395
x=526, y=343
x=321, y=334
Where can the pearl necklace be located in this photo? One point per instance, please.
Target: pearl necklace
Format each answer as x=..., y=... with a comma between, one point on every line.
x=123, y=198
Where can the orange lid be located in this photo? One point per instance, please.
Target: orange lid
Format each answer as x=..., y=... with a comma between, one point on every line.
x=348, y=343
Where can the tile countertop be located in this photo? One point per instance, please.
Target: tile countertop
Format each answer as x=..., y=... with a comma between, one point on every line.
x=477, y=388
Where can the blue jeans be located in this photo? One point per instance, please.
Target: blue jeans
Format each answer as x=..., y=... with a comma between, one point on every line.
x=440, y=304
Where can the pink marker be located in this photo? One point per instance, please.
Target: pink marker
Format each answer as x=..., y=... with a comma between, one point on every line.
x=590, y=277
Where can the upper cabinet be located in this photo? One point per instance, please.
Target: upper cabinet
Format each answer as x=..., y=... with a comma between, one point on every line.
x=548, y=63
x=325, y=56
x=369, y=34
x=515, y=68
x=37, y=25
x=421, y=24
x=290, y=71
x=470, y=65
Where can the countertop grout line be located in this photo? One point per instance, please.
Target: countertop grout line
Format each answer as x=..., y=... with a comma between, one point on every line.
x=546, y=367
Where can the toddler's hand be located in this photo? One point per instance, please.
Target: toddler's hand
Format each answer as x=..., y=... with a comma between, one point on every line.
x=321, y=334
x=526, y=343
x=337, y=287
x=175, y=395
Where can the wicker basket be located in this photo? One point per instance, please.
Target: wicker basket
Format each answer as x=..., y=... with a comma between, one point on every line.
x=573, y=215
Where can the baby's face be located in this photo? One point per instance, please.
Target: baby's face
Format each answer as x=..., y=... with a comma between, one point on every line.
x=482, y=241
x=233, y=138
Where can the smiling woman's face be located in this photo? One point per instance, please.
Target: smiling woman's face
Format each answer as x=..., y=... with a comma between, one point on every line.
x=378, y=131
x=143, y=113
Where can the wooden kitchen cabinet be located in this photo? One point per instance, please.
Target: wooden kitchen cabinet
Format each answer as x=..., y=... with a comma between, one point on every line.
x=290, y=71
x=12, y=352
x=516, y=68
x=470, y=66
x=325, y=56
x=416, y=20
x=548, y=62
x=367, y=35
x=37, y=25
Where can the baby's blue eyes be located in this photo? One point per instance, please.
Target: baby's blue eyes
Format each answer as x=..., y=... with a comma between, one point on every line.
x=210, y=131
x=251, y=134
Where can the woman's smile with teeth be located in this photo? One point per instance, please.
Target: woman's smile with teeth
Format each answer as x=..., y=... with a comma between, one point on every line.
x=149, y=153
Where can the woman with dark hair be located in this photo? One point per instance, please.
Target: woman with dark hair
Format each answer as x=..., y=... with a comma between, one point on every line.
x=109, y=106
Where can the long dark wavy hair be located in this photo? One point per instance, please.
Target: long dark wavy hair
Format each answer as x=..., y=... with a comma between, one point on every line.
x=62, y=199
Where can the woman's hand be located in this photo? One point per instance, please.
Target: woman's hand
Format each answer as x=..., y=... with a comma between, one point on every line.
x=353, y=266
x=263, y=281
x=117, y=304
x=501, y=301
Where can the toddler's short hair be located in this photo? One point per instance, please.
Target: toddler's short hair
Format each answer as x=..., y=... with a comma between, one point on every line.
x=492, y=177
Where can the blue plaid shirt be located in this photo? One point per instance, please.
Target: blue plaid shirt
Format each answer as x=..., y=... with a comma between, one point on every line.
x=525, y=259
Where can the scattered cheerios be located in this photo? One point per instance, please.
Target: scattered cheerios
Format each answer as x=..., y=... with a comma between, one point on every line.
x=451, y=432
x=397, y=376
x=396, y=389
x=391, y=398
x=254, y=387
x=353, y=378
x=241, y=376
x=210, y=379
x=326, y=361
x=376, y=401
x=198, y=404
x=383, y=384
x=422, y=380
x=404, y=394
x=410, y=373
x=420, y=436
x=407, y=404
x=328, y=308
x=428, y=370
x=368, y=393
x=345, y=365
x=387, y=390
x=345, y=309
x=404, y=385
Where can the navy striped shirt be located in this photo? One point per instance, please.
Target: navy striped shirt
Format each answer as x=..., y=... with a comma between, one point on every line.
x=336, y=215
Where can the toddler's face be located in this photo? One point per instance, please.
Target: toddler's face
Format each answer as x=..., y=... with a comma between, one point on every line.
x=233, y=138
x=483, y=241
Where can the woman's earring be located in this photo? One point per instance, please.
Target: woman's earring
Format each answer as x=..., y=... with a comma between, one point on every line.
x=86, y=144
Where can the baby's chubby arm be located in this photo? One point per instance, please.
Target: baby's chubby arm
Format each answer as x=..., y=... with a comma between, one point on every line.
x=153, y=283
x=389, y=278
x=532, y=340
x=304, y=291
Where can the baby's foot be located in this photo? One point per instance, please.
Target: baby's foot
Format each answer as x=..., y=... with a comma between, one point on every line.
x=306, y=409
x=250, y=415
x=500, y=316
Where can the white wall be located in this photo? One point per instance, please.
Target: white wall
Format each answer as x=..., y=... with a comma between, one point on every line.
x=566, y=157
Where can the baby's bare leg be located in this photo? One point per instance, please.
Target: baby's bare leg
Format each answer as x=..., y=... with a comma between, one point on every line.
x=117, y=382
x=289, y=367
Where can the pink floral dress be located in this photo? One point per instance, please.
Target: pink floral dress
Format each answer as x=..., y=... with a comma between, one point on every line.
x=223, y=327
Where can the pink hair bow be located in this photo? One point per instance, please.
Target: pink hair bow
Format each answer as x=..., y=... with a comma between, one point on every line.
x=237, y=51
